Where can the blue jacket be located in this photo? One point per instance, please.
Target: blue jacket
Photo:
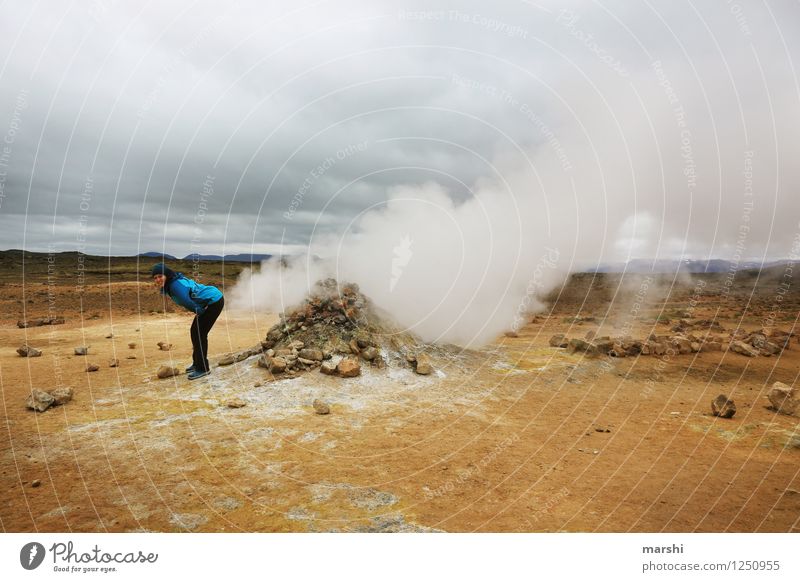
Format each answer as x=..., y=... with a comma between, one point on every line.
x=191, y=294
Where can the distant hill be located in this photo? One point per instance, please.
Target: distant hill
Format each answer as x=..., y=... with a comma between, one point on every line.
x=155, y=255
x=239, y=258
x=685, y=265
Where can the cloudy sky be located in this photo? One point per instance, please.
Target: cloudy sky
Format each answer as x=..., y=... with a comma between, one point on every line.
x=622, y=129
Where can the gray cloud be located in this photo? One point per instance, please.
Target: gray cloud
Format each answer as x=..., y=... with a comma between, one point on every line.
x=573, y=110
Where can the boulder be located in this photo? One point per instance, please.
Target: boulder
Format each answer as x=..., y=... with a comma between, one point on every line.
x=321, y=407
x=167, y=372
x=82, y=351
x=61, y=395
x=39, y=400
x=784, y=398
x=559, y=341
x=27, y=351
x=723, y=407
x=311, y=354
x=424, y=365
x=92, y=367
x=348, y=368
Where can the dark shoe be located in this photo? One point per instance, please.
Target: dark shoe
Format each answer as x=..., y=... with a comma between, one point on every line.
x=190, y=369
x=195, y=374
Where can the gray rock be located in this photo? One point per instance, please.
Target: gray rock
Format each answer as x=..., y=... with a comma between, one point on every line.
x=39, y=400
x=559, y=341
x=82, y=351
x=723, y=407
x=311, y=354
x=226, y=360
x=744, y=349
x=61, y=395
x=369, y=353
x=278, y=365
x=784, y=398
x=321, y=407
x=424, y=365
x=328, y=367
x=167, y=372
x=27, y=351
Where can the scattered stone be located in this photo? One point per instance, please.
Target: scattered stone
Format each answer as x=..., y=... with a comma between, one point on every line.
x=784, y=398
x=257, y=385
x=311, y=354
x=589, y=335
x=36, y=483
x=167, y=372
x=723, y=407
x=744, y=349
x=321, y=407
x=61, y=395
x=598, y=429
x=82, y=351
x=113, y=363
x=226, y=360
x=39, y=400
x=277, y=365
x=348, y=368
x=369, y=353
x=424, y=365
x=235, y=403
x=308, y=362
x=559, y=341
x=512, y=333
x=109, y=336
x=579, y=345
x=328, y=367
x=130, y=357
x=92, y=367
x=27, y=351
x=164, y=346
x=132, y=345
x=40, y=321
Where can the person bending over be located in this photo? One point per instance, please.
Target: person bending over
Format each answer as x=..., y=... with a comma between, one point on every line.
x=205, y=301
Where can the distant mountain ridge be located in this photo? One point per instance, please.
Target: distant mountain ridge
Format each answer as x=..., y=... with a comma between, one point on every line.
x=685, y=265
x=237, y=258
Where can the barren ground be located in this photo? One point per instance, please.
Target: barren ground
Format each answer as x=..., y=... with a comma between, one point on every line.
x=502, y=439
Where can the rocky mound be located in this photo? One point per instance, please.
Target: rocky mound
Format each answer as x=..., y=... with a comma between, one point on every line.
x=751, y=344
x=336, y=328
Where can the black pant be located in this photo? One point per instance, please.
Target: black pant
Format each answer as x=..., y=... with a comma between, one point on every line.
x=201, y=325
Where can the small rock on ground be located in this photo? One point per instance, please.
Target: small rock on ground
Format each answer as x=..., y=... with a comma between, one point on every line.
x=321, y=407
x=723, y=407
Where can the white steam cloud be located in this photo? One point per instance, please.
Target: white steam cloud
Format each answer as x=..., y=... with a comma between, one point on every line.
x=685, y=156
